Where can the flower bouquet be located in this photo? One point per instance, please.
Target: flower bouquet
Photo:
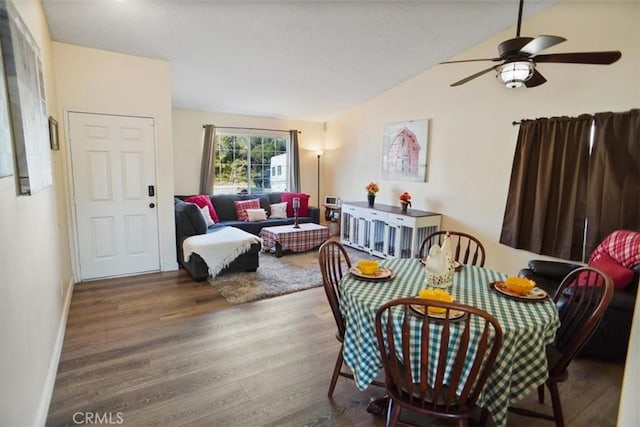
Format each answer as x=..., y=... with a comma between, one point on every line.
x=372, y=188
x=405, y=201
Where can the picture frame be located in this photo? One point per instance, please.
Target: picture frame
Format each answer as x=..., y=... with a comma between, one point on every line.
x=53, y=134
x=26, y=102
x=404, y=151
x=6, y=139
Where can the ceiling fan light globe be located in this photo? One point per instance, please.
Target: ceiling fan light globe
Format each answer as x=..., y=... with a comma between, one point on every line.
x=514, y=74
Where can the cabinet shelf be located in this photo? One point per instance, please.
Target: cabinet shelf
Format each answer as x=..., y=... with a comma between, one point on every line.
x=384, y=230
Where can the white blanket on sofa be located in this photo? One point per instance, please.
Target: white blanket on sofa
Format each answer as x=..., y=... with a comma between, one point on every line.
x=220, y=248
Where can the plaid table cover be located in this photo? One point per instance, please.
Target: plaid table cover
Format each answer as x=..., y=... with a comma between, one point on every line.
x=527, y=328
x=308, y=236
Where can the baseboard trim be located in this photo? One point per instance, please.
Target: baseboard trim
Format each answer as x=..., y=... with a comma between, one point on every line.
x=47, y=392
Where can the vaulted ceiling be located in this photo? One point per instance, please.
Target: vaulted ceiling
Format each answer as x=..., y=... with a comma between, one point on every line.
x=303, y=59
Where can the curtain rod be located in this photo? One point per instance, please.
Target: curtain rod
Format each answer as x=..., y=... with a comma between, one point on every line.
x=514, y=123
x=245, y=128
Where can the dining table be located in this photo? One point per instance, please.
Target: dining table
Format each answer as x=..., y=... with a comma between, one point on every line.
x=528, y=325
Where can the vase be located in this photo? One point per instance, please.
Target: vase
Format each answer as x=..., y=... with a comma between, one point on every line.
x=404, y=206
x=371, y=198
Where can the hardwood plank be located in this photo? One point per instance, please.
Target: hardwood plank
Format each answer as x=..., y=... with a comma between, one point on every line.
x=165, y=350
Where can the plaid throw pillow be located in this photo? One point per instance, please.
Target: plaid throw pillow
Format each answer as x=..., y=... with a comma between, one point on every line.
x=621, y=245
x=243, y=205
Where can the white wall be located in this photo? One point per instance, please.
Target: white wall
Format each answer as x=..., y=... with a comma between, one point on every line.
x=188, y=135
x=110, y=83
x=471, y=138
x=35, y=271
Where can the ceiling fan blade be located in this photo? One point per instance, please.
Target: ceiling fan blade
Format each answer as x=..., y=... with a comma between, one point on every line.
x=471, y=60
x=471, y=77
x=536, y=79
x=603, y=58
x=541, y=43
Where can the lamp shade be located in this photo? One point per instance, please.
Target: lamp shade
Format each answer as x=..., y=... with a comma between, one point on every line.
x=514, y=74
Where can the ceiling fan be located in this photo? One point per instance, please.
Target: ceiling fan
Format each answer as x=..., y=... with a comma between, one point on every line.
x=519, y=57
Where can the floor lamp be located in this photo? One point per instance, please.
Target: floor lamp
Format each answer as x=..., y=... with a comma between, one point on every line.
x=319, y=154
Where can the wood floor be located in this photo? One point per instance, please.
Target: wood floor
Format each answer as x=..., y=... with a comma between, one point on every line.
x=161, y=349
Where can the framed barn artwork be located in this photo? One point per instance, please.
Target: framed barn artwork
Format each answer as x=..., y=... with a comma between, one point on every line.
x=404, y=151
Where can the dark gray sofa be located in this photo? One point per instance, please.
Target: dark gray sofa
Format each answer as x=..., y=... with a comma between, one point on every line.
x=189, y=222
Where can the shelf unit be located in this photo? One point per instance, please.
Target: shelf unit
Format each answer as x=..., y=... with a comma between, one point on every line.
x=385, y=231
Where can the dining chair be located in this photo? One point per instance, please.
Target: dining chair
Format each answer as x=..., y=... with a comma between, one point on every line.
x=459, y=364
x=334, y=263
x=582, y=298
x=466, y=249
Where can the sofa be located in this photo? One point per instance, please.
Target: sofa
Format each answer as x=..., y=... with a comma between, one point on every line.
x=190, y=222
x=610, y=339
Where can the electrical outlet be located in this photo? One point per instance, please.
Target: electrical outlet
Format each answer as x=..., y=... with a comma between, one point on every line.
x=61, y=286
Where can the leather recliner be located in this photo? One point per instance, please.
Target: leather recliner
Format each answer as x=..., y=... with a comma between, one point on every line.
x=610, y=339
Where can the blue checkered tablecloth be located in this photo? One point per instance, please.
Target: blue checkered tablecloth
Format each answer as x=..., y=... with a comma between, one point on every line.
x=527, y=328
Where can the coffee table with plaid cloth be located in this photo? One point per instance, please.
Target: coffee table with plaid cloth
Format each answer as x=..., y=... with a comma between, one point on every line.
x=527, y=328
x=306, y=237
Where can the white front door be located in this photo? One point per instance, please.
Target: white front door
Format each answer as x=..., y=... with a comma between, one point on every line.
x=113, y=167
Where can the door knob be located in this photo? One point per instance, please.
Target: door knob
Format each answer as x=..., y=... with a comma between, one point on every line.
x=152, y=205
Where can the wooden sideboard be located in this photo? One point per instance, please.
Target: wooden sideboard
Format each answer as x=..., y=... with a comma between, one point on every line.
x=384, y=230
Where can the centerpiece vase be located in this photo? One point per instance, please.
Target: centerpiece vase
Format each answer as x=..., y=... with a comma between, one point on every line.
x=295, y=218
x=404, y=206
x=371, y=198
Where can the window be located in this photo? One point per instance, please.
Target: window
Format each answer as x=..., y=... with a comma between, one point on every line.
x=246, y=164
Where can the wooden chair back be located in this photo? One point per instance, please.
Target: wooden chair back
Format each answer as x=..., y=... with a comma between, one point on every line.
x=458, y=369
x=334, y=263
x=465, y=248
x=582, y=298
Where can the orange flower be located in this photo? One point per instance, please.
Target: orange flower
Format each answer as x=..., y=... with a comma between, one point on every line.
x=372, y=188
x=405, y=198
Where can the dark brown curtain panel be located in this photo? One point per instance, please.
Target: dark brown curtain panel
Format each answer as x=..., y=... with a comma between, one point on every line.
x=546, y=203
x=207, y=168
x=293, y=180
x=614, y=176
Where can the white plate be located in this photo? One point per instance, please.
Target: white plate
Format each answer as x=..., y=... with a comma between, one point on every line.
x=453, y=314
x=535, y=294
x=381, y=274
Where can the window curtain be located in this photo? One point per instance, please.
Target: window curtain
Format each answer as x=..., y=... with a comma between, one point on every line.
x=207, y=166
x=614, y=176
x=546, y=203
x=293, y=160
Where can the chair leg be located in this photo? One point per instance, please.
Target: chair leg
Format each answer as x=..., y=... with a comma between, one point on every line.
x=336, y=373
x=484, y=417
x=556, y=404
x=393, y=414
x=541, y=393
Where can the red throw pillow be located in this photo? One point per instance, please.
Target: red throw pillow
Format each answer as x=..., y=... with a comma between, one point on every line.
x=620, y=275
x=243, y=205
x=201, y=201
x=304, y=203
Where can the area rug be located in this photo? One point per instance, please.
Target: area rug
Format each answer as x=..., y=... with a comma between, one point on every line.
x=292, y=272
